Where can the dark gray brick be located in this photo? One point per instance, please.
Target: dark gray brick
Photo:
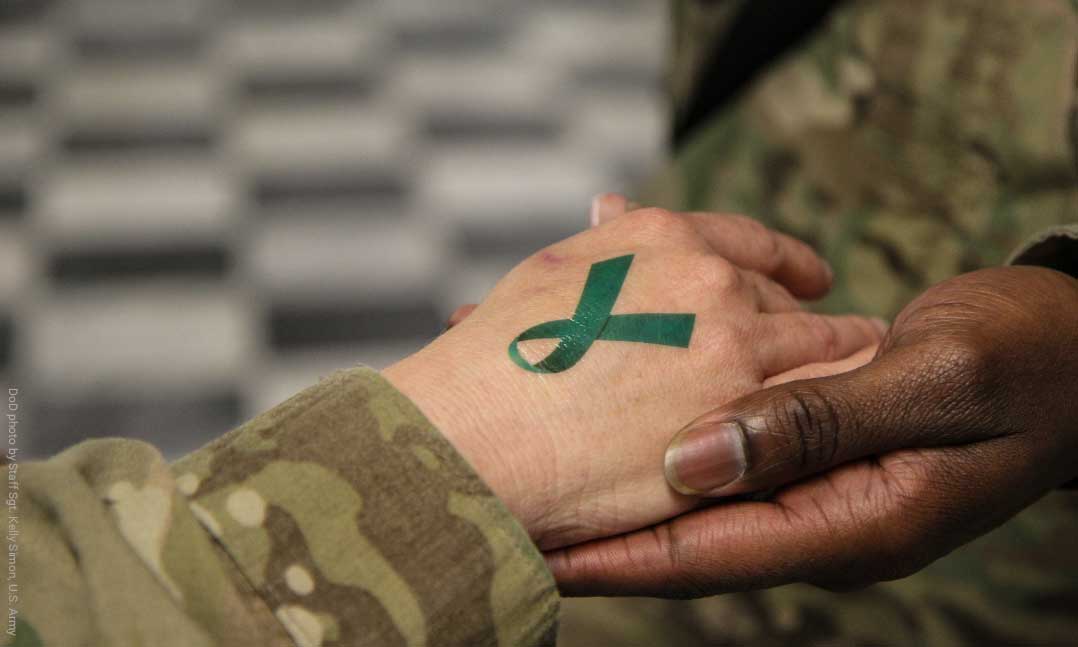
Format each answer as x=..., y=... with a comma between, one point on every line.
x=139, y=46
x=120, y=264
x=7, y=340
x=14, y=200
x=12, y=11
x=16, y=93
x=311, y=87
x=462, y=37
x=176, y=423
x=517, y=241
x=331, y=187
x=292, y=326
x=453, y=127
x=120, y=140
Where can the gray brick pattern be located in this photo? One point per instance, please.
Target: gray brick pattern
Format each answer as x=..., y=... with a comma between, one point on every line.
x=205, y=205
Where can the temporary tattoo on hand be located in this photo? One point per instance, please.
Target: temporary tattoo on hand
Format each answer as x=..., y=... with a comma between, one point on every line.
x=592, y=320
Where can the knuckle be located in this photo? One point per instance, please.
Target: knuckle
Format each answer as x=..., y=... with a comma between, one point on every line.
x=962, y=375
x=879, y=558
x=827, y=333
x=811, y=425
x=823, y=331
x=897, y=526
x=909, y=517
x=888, y=553
x=654, y=223
x=773, y=252
x=714, y=273
x=683, y=560
x=769, y=245
x=896, y=557
x=689, y=584
x=750, y=226
x=726, y=344
x=960, y=358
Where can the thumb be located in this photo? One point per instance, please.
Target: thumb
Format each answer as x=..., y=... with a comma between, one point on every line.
x=790, y=431
x=608, y=206
x=460, y=314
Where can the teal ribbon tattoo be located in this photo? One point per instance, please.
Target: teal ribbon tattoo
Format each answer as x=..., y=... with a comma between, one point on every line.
x=592, y=321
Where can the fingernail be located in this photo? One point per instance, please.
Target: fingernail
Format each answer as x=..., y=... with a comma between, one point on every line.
x=596, y=209
x=705, y=457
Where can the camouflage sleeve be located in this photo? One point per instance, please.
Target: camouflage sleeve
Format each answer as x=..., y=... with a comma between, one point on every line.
x=696, y=28
x=340, y=517
x=1056, y=248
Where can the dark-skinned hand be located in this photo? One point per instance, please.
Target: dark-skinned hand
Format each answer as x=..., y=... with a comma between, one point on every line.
x=967, y=414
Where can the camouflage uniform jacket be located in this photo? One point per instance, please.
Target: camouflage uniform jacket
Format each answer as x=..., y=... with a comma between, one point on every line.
x=909, y=141
x=340, y=517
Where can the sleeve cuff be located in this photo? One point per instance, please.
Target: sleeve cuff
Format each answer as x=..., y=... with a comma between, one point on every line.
x=356, y=521
x=1056, y=248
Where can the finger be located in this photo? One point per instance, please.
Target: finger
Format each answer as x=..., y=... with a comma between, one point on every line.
x=825, y=369
x=749, y=244
x=770, y=296
x=460, y=314
x=717, y=549
x=607, y=206
x=789, y=340
x=908, y=397
x=833, y=530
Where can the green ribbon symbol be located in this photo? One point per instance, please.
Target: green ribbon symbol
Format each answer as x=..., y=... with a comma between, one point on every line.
x=592, y=320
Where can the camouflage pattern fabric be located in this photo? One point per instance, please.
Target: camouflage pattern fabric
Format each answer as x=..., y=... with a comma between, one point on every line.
x=697, y=26
x=909, y=141
x=341, y=517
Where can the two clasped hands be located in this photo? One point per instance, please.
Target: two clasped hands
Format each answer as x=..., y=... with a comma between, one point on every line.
x=879, y=449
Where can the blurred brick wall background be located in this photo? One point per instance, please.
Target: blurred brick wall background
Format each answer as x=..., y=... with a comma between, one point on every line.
x=206, y=205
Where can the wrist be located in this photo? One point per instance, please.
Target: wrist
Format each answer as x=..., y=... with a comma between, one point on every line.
x=472, y=409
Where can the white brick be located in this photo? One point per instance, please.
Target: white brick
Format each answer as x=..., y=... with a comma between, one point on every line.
x=563, y=36
x=434, y=12
x=117, y=16
x=136, y=92
x=158, y=335
x=498, y=183
x=320, y=134
x=25, y=50
x=287, y=375
x=134, y=199
x=369, y=261
x=18, y=263
x=302, y=44
x=472, y=281
x=482, y=84
x=21, y=140
x=620, y=126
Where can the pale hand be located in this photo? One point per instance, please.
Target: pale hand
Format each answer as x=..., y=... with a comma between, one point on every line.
x=578, y=454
